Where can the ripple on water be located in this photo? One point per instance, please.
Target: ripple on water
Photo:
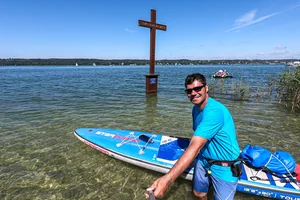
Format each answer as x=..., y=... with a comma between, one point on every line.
x=41, y=107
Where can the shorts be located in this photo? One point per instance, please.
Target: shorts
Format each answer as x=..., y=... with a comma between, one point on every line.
x=222, y=189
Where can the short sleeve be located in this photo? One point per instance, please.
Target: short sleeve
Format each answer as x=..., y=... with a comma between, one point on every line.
x=211, y=123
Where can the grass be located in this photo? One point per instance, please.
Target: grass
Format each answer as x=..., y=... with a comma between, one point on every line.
x=287, y=87
x=288, y=90
x=241, y=91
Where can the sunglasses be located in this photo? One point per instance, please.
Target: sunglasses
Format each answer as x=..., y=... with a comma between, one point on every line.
x=196, y=89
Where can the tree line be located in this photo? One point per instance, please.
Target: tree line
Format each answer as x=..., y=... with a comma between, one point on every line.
x=119, y=62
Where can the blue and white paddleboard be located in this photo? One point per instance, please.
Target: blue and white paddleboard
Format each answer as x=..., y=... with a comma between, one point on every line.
x=160, y=152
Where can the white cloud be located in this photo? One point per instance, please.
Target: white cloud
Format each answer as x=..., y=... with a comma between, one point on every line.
x=129, y=31
x=280, y=47
x=280, y=52
x=248, y=19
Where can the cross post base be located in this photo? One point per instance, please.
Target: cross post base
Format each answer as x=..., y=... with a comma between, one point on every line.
x=151, y=83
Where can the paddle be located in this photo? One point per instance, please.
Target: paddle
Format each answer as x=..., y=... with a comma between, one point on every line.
x=146, y=139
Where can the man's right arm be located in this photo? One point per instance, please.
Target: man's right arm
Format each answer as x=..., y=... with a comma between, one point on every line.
x=162, y=184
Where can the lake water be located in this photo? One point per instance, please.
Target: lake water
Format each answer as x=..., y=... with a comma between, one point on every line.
x=40, y=107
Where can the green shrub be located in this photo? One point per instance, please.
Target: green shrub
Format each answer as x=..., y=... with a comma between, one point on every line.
x=288, y=89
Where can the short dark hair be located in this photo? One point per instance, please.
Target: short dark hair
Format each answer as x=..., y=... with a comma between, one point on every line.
x=196, y=76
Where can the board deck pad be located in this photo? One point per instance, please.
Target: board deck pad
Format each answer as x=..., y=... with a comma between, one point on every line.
x=172, y=148
x=160, y=152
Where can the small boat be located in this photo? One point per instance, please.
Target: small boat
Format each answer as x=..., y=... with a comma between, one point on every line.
x=222, y=74
x=225, y=76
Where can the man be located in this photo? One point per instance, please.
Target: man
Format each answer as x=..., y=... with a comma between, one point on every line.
x=214, y=139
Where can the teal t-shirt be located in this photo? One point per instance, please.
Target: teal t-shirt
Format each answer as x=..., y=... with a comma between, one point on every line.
x=215, y=124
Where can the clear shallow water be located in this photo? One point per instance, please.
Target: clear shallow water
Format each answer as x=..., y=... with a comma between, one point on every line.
x=40, y=107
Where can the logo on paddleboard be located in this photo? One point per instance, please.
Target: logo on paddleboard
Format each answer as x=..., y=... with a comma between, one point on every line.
x=117, y=136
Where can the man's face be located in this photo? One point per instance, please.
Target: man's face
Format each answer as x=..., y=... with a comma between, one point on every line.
x=197, y=92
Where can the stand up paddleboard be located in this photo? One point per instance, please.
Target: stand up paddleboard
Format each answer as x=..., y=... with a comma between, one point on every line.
x=160, y=152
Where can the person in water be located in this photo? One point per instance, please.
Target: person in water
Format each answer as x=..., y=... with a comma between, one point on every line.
x=222, y=73
x=214, y=138
x=225, y=73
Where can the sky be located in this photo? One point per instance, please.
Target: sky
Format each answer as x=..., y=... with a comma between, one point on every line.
x=196, y=29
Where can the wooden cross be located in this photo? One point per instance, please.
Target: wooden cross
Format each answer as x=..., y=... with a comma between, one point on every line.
x=153, y=26
x=151, y=78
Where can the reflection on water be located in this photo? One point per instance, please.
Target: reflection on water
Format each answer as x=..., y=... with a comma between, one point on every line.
x=40, y=107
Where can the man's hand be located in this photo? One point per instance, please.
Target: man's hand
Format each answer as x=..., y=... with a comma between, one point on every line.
x=159, y=187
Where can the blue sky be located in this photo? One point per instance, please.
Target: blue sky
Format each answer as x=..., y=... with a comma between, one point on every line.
x=196, y=29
